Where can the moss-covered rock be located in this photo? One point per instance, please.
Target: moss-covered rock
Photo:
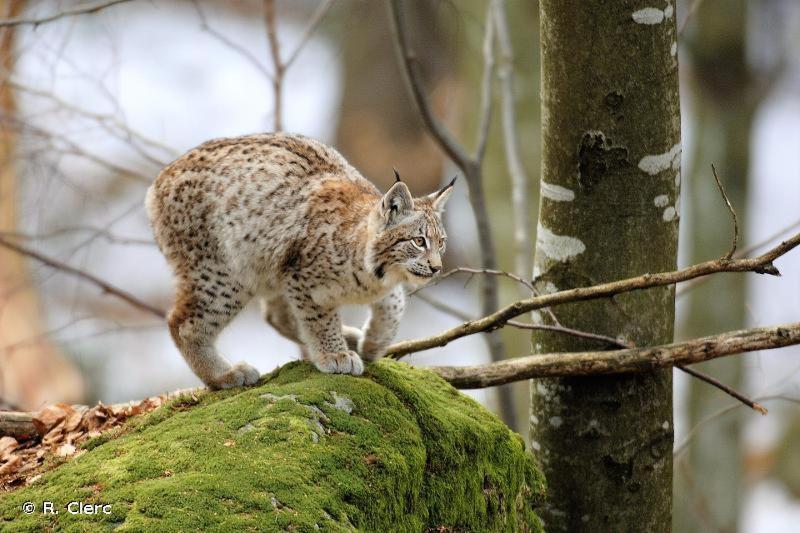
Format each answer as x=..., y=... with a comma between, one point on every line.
x=395, y=450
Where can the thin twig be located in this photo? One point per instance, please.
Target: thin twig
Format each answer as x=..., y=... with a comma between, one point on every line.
x=109, y=236
x=619, y=343
x=413, y=78
x=309, y=30
x=107, y=121
x=106, y=287
x=73, y=148
x=725, y=388
x=683, y=446
x=762, y=264
x=523, y=261
x=470, y=270
x=611, y=341
x=633, y=360
x=735, y=242
x=461, y=315
x=489, y=272
x=235, y=47
x=743, y=253
x=278, y=66
x=487, y=98
x=470, y=166
x=443, y=307
x=80, y=9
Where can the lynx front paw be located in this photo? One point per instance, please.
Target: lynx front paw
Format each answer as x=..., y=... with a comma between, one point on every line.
x=339, y=363
x=241, y=374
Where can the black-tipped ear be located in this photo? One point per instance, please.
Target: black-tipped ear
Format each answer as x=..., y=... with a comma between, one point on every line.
x=396, y=175
x=439, y=198
x=396, y=203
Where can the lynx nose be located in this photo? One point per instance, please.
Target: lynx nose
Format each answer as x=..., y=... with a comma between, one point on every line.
x=436, y=269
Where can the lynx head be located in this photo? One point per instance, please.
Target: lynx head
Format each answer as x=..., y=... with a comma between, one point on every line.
x=406, y=237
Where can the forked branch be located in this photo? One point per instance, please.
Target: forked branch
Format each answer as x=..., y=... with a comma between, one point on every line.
x=94, y=280
x=80, y=9
x=762, y=264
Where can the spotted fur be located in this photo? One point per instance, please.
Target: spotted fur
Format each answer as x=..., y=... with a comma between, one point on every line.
x=286, y=219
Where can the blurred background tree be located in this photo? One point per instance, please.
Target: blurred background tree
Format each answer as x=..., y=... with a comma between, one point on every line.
x=33, y=372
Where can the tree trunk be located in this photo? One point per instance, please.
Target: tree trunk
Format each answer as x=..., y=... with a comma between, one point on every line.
x=32, y=371
x=609, y=210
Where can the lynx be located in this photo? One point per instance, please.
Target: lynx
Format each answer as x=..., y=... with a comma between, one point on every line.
x=286, y=219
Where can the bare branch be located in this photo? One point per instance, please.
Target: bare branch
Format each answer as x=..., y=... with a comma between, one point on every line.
x=692, y=432
x=108, y=122
x=443, y=307
x=486, y=89
x=620, y=361
x=471, y=168
x=413, y=78
x=761, y=265
x=72, y=148
x=80, y=9
x=106, y=287
x=102, y=232
x=470, y=270
x=733, y=214
x=237, y=48
x=743, y=253
x=725, y=388
x=519, y=180
x=278, y=66
x=309, y=30
x=611, y=341
x=620, y=343
x=461, y=315
x=457, y=313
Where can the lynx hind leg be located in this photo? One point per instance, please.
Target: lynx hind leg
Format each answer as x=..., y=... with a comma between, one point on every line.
x=382, y=324
x=197, y=318
x=352, y=336
x=279, y=315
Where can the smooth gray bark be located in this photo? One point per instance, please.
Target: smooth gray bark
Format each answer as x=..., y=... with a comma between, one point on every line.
x=609, y=210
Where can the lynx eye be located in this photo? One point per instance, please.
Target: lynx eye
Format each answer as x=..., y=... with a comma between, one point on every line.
x=442, y=244
x=419, y=242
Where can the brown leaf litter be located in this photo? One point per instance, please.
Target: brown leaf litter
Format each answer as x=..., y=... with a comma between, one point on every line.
x=60, y=430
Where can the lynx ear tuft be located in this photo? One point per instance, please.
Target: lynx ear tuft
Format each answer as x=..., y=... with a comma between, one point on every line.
x=396, y=203
x=396, y=175
x=439, y=198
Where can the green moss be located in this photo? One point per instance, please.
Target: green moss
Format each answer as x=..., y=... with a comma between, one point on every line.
x=397, y=449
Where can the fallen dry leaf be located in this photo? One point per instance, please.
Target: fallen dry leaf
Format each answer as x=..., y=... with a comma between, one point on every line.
x=7, y=445
x=50, y=416
x=73, y=420
x=60, y=429
x=11, y=466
